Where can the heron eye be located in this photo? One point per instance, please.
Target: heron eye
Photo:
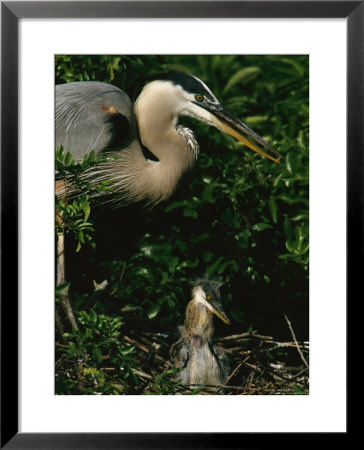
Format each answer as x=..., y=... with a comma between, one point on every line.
x=208, y=297
x=199, y=97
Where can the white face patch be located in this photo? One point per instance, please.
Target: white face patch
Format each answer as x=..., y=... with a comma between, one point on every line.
x=199, y=296
x=193, y=110
x=172, y=99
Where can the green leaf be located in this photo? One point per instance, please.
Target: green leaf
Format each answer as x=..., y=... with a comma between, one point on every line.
x=62, y=288
x=172, y=262
x=242, y=76
x=294, y=63
x=261, y=226
x=68, y=159
x=153, y=311
x=296, y=244
x=189, y=212
x=273, y=209
x=207, y=256
x=189, y=263
x=127, y=350
x=72, y=348
x=93, y=317
x=213, y=267
x=298, y=390
x=207, y=193
x=300, y=215
x=174, y=205
x=253, y=121
x=81, y=236
x=86, y=209
x=237, y=315
x=97, y=354
x=68, y=335
x=292, y=199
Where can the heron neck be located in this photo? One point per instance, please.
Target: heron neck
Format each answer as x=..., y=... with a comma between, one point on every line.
x=198, y=321
x=160, y=137
x=157, y=120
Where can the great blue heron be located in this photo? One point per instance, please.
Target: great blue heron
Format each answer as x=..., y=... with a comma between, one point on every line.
x=151, y=150
x=202, y=362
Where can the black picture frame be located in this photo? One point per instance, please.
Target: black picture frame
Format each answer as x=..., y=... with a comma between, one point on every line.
x=11, y=13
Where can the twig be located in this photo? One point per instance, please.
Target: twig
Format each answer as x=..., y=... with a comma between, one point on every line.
x=250, y=379
x=247, y=334
x=301, y=372
x=61, y=279
x=142, y=347
x=143, y=374
x=234, y=371
x=120, y=278
x=304, y=345
x=62, y=345
x=59, y=324
x=295, y=340
x=235, y=388
x=252, y=366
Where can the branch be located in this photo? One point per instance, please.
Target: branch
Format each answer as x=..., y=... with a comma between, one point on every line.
x=295, y=340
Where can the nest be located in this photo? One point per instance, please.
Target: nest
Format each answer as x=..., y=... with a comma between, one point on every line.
x=259, y=365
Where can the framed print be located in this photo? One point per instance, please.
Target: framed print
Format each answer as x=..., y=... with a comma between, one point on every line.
x=269, y=66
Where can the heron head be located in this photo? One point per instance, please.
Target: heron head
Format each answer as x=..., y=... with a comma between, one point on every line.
x=187, y=95
x=207, y=292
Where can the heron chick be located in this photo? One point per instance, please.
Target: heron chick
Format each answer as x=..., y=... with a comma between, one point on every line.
x=201, y=360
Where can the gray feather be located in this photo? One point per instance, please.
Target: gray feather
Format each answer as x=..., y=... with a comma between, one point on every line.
x=82, y=118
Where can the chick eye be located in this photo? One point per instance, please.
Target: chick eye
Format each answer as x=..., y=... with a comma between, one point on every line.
x=199, y=97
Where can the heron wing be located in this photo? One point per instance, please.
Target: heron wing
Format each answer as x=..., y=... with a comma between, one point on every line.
x=222, y=360
x=180, y=354
x=92, y=116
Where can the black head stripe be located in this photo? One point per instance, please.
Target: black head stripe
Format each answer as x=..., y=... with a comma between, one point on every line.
x=188, y=83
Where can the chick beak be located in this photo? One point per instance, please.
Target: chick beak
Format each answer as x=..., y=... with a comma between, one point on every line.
x=226, y=122
x=218, y=310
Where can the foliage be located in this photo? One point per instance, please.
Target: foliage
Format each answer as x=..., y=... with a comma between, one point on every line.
x=88, y=349
x=163, y=383
x=72, y=214
x=239, y=216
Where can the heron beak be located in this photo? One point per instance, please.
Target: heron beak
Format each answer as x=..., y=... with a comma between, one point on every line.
x=218, y=310
x=226, y=122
